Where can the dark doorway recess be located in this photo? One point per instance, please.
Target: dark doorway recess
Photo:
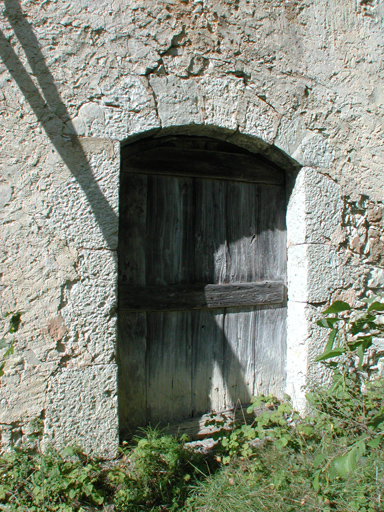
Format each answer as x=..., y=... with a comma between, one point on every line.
x=202, y=274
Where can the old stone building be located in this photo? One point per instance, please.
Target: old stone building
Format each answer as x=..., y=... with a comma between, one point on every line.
x=296, y=83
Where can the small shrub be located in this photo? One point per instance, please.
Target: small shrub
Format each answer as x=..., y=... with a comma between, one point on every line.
x=158, y=471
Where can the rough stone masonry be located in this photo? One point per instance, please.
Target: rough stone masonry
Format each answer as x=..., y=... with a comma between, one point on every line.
x=298, y=80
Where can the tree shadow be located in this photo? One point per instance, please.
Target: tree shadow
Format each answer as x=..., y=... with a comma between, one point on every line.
x=53, y=116
x=177, y=365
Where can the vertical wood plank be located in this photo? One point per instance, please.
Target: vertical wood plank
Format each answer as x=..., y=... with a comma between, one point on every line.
x=239, y=350
x=131, y=372
x=271, y=252
x=170, y=230
x=168, y=367
x=132, y=226
x=208, y=389
x=132, y=334
x=242, y=232
x=210, y=232
x=270, y=351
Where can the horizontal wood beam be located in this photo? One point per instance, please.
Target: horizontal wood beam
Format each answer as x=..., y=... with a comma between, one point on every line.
x=200, y=296
x=202, y=163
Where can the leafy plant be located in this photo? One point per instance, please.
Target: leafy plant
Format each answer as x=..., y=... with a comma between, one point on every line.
x=352, y=403
x=50, y=482
x=160, y=471
x=14, y=320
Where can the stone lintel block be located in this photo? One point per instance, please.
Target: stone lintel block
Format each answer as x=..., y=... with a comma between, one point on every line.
x=223, y=103
x=313, y=272
x=125, y=107
x=178, y=101
x=81, y=409
x=314, y=208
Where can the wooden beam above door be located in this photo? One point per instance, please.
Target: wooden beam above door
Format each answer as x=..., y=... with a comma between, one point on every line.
x=200, y=296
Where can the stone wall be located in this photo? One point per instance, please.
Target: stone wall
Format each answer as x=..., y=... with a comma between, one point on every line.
x=300, y=81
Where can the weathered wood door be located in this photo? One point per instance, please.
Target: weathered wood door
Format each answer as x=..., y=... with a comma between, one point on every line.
x=202, y=263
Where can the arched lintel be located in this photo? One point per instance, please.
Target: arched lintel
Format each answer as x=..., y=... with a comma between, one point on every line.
x=249, y=142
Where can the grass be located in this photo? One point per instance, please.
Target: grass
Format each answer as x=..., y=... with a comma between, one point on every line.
x=332, y=460
x=160, y=474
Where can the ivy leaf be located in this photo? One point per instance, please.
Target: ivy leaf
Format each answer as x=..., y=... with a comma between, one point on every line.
x=337, y=307
x=316, y=483
x=327, y=323
x=328, y=355
x=376, y=306
x=331, y=340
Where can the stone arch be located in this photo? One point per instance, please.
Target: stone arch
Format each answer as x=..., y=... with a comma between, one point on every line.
x=313, y=214
x=222, y=107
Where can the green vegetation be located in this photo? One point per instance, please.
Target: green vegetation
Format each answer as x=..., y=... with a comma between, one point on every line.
x=332, y=460
x=7, y=346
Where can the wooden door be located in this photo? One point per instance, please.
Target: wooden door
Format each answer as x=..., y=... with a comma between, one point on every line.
x=202, y=264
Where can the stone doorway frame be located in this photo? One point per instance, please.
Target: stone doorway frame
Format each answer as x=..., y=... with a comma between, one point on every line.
x=227, y=109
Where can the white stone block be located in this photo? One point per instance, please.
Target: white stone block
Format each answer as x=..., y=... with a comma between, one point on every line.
x=314, y=209
x=178, y=101
x=81, y=409
x=305, y=341
x=222, y=100
x=290, y=134
x=313, y=272
x=260, y=119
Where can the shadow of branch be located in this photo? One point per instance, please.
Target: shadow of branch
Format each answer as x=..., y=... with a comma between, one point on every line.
x=50, y=112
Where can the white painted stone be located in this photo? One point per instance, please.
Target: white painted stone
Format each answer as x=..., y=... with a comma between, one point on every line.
x=313, y=272
x=290, y=134
x=297, y=353
x=305, y=341
x=314, y=209
x=81, y=408
x=129, y=108
x=222, y=99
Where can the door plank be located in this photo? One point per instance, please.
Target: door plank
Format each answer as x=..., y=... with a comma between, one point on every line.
x=198, y=296
x=270, y=351
x=132, y=226
x=239, y=361
x=208, y=387
x=132, y=394
x=168, y=367
x=170, y=231
x=242, y=232
x=210, y=231
x=272, y=243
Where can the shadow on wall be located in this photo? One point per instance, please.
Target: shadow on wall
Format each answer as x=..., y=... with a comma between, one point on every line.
x=51, y=112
